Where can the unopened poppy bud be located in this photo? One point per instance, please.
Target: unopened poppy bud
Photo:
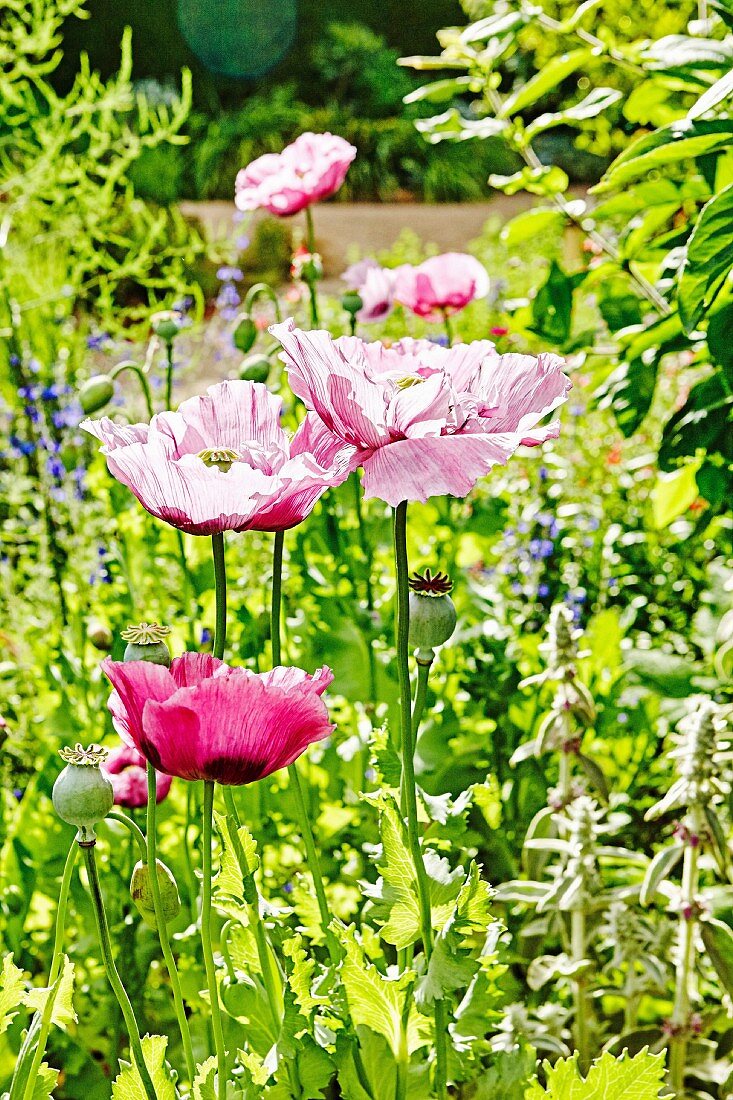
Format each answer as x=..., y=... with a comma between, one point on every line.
x=432, y=613
x=146, y=642
x=141, y=892
x=100, y=635
x=96, y=392
x=352, y=302
x=244, y=335
x=167, y=324
x=255, y=368
x=82, y=795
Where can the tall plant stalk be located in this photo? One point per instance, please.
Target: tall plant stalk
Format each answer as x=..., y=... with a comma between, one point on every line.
x=686, y=962
x=407, y=745
x=311, y=282
x=206, y=940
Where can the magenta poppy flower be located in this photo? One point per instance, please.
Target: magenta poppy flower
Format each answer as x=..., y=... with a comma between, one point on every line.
x=223, y=462
x=202, y=719
x=442, y=284
x=310, y=169
x=375, y=286
x=424, y=420
x=125, y=768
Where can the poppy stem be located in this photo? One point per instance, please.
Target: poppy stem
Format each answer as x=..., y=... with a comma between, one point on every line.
x=220, y=580
x=206, y=943
x=409, y=789
x=133, y=1031
x=305, y=825
x=168, y=373
x=144, y=384
x=448, y=327
x=134, y=830
x=311, y=283
x=170, y=962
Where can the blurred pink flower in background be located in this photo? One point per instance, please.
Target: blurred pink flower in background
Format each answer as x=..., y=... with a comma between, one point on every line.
x=425, y=420
x=125, y=768
x=375, y=285
x=202, y=719
x=443, y=284
x=222, y=462
x=308, y=170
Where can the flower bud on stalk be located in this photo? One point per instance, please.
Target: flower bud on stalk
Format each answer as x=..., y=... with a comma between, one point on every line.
x=141, y=892
x=82, y=795
x=167, y=324
x=255, y=368
x=352, y=302
x=145, y=642
x=432, y=613
x=96, y=392
x=244, y=335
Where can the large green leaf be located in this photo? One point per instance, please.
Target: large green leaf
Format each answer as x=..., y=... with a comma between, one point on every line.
x=630, y=391
x=702, y=424
x=720, y=340
x=12, y=988
x=708, y=258
x=680, y=140
x=375, y=1001
x=718, y=940
x=128, y=1084
x=609, y=1078
x=721, y=89
x=62, y=1013
x=673, y=493
x=549, y=76
x=597, y=101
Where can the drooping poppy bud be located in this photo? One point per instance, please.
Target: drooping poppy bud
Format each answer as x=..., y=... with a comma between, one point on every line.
x=141, y=892
x=255, y=368
x=145, y=642
x=432, y=613
x=244, y=335
x=96, y=392
x=82, y=795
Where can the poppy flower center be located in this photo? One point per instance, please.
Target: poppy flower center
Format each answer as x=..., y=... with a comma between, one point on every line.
x=223, y=457
x=408, y=381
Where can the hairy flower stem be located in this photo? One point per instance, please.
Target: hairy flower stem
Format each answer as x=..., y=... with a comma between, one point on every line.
x=407, y=745
x=168, y=373
x=580, y=993
x=686, y=961
x=134, y=830
x=206, y=942
x=133, y=1032
x=170, y=962
x=418, y=706
x=220, y=579
x=314, y=863
x=187, y=591
x=41, y=1022
x=311, y=283
x=144, y=384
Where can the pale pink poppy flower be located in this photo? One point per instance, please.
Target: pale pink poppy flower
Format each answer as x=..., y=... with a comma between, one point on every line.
x=222, y=462
x=375, y=286
x=125, y=768
x=202, y=719
x=441, y=285
x=425, y=420
x=310, y=169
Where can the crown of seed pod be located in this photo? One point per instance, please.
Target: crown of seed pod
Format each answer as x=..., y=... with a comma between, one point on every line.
x=82, y=795
x=146, y=642
x=141, y=892
x=432, y=613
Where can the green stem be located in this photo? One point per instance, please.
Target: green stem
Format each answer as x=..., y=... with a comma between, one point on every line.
x=168, y=373
x=260, y=290
x=187, y=593
x=277, y=595
x=582, y=1004
x=685, y=970
x=206, y=943
x=220, y=578
x=311, y=283
x=133, y=1032
x=135, y=831
x=423, y=675
x=190, y=873
x=402, y=633
x=448, y=327
x=170, y=962
x=144, y=386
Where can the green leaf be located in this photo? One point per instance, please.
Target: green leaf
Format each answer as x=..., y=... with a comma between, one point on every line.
x=530, y=224
x=609, y=1078
x=594, y=103
x=12, y=989
x=552, y=73
x=128, y=1083
x=718, y=940
x=720, y=340
x=62, y=993
x=546, y=180
x=452, y=126
x=439, y=91
x=238, y=861
x=552, y=306
x=204, y=1084
x=708, y=258
x=375, y=1001
x=509, y=1076
x=673, y=493
x=721, y=89
x=702, y=424
x=594, y=775
x=630, y=391
x=680, y=140
x=660, y=867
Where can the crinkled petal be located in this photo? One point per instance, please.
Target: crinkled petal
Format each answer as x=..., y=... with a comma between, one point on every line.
x=518, y=390
x=134, y=682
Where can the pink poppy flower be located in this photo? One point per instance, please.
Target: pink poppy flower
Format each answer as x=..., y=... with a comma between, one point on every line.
x=310, y=169
x=375, y=286
x=425, y=420
x=125, y=768
x=442, y=284
x=201, y=719
x=223, y=462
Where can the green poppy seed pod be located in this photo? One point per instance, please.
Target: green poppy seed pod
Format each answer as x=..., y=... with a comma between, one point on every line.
x=95, y=393
x=166, y=325
x=352, y=302
x=141, y=892
x=244, y=335
x=255, y=368
x=100, y=635
x=82, y=795
x=432, y=613
x=146, y=642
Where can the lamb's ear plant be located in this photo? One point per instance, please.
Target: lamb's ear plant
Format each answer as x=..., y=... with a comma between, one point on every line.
x=700, y=793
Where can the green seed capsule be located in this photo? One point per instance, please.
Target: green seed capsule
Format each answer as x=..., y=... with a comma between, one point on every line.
x=432, y=612
x=95, y=393
x=145, y=642
x=255, y=368
x=82, y=795
x=244, y=335
x=141, y=892
x=352, y=302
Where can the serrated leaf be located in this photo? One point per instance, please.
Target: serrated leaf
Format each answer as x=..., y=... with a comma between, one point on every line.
x=509, y=1076
x=12, y=989
x=204, y=1083
x=238, y=861
x=375, y=1001
x=62, y=993
x=609, y=1078
x=128, y=1084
